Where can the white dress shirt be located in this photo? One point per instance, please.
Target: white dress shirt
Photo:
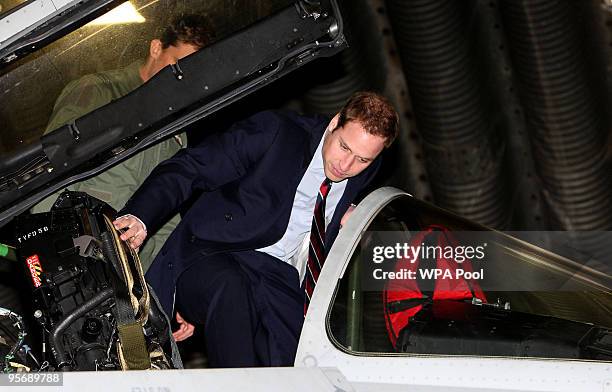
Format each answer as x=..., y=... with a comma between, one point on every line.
x=293, y=245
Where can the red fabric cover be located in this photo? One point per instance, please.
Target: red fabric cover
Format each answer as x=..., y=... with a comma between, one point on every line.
x=444, y=288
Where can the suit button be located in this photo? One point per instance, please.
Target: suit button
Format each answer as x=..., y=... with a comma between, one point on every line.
x=228, y=217
x=192, y=239
x=170, y=265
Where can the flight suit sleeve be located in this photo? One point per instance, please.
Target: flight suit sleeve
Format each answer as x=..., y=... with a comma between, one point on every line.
x=78, y=98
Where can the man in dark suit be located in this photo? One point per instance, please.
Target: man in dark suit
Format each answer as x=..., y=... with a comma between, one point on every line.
x=272, y=185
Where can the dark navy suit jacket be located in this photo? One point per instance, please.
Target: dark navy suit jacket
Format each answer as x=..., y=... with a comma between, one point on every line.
x=249, y=176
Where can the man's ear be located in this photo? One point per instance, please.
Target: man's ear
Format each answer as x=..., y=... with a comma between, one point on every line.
x=333, y=123
x=155, y=49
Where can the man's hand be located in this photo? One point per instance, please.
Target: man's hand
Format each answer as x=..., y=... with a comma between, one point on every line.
x=135, y=234
x=347, y=214
x=185, y=329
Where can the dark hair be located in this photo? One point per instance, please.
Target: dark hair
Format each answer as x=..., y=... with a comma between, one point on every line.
x=189, y=29
x=374, y=112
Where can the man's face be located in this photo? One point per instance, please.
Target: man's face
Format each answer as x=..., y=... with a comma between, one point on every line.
x=349, y=150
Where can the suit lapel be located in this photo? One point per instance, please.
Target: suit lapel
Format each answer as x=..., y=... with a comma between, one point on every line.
x=316, y=133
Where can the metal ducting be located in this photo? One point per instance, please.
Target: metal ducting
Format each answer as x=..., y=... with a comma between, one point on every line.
x=356, y=68
x=564, y=116
x=464, y=150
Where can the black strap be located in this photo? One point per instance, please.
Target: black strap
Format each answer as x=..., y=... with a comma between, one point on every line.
x=405, y=304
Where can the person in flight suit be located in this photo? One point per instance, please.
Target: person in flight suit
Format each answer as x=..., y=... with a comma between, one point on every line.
x=232, y=263
x=182, y=37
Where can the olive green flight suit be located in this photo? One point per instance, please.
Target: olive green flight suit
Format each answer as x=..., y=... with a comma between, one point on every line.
x=116, y=184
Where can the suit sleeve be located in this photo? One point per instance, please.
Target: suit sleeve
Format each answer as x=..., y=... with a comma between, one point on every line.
x=216, y=161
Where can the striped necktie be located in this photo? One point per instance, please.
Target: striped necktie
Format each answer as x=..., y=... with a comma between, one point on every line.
x=316, y=252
